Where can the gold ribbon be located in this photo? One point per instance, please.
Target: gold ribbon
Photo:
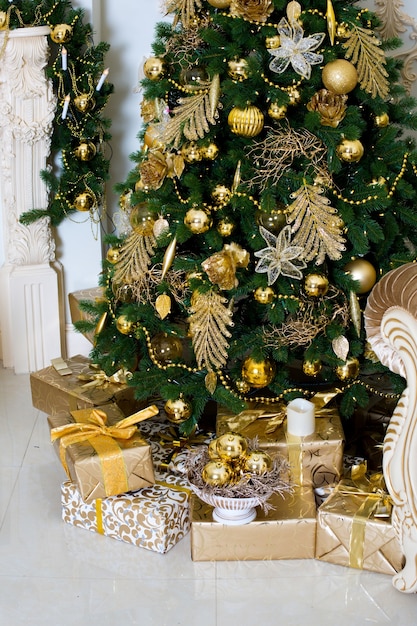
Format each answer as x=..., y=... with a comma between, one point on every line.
x=91, y=426
x=100, y=378
x=173, y=440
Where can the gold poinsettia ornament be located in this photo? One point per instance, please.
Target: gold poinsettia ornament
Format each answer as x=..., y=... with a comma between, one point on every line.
x=153, y=170
x=221, y=266
x=254, y=10
x=330, y=106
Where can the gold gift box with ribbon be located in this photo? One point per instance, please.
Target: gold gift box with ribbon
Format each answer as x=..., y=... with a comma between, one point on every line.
x=315, y=460
x=354, y=526
x=77, y=384
x=94, y=294
x=102, y=451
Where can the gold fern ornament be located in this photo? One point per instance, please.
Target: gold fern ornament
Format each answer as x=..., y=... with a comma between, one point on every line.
x=364, y=50
x=134, y=258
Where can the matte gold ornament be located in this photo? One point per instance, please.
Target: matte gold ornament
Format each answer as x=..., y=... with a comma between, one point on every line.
x=124, y=325
x=349, y=370
x=312, y=368
x=178, y=411
x=209, y=152
x=142, y=219
x=264, y=295
x=277, y=111
x=191, y=152
x=84, y=201
x=247, y=122
x=258, y=374
x=161, y=227
x=220, y=4
x=340, y=76
x=216, y=474
x=221, y=194
x=350, y=150
x=3, y=20
x=231, y=446
x=316, y=285
x=225, y=227
x=363, y=272
x=85, y=151
x=382, y=121
x=274, y=221
x=258, y=462
x=198, y=221
x=163, y=305
x=365, y=50
x=61, y=33
x=154, y=68
x=167, y=348
x=84, y=102
x=272, y=43
x=340, y=347
x=113, y=255
x=238, y=69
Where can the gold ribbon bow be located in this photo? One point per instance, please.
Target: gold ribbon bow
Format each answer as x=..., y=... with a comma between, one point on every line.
x=171, y=439
x=100, y=378
x=91, y=425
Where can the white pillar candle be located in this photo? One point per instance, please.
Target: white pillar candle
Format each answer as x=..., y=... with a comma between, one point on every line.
x=300, y=417
x=65, y=107
x=102, y=79
x=64, y=59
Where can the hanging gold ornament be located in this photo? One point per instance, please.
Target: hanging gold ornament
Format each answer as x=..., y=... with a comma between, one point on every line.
x=124, y=325
x=161, y=227
x=163, y=305
x=274, y=221
x=294, y=96
x=112, y=255
x=349, y=370
x=231, y=446
x=85, y=151
x=101, y=324
x=293, y=11
x=381, y=121
x=331, y=21
x=124, y=200
x=198, y=221
x=84, y=102
x=194, y=77
x=212, y=450
x=154, y=68
x=169, y=257
x=209, y=151
x=258, y=374
x=330, y=106
x=142, y=219
x=273, y=42
x=342, y=31
x=355, y=312
x=221, y=194
x=257, y=462
x=166, y=348
x=178, y=411
x=238, y=69
x=191, y=152
x=264, y=295
x=242, y=386
x=122, y=293
x=277, y=111
x=316, y=285
x=221, y=266
x=340, y=76
x=61, y=33
x=350, y=150
x=312, y=368
x=220, y=4
x=84, y=201
x=247, y=122
x=225, y=227
x=340, y=346
x=363, y=272
x=216, y=474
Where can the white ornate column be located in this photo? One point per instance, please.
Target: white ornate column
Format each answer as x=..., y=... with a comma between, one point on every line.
x=30, y=279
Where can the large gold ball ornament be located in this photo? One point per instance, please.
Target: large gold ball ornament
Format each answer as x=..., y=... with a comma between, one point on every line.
x=316, y=285
x=258, y=374
x=381, y=121
x=113, y=255
x=166, y=347
x=210, y=151
x=247, y=122
x=191, y=152
x=198, y=221
x=3, y=20
x=124, y=325
x=349, y=370
x=238, y=69
x=84, y=102
x=142, y=219
x=258, y=462
x=221, y=194
x=216, y=474
x=84, y=201
x=61, y=33
x=85, y=151
x=363, y=272
x=225, y=227
x=350, y=150
x=340, y=76
x=264, y=295
x=312, y=368
x=231, y=446
x=277, y=111
x=220, y=4
x=178, y=411
x=274, y=220
x=154, y=68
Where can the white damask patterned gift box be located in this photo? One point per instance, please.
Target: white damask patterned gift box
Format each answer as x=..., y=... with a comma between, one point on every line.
x=155, y=518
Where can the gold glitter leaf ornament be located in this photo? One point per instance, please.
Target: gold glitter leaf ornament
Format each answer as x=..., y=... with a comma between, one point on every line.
x=185, y=10
x=364, y=50
x=134, y=258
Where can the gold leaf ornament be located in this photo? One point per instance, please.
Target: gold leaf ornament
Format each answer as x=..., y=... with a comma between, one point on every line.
x=340, y=347
x=163, y=305
x=364, y=50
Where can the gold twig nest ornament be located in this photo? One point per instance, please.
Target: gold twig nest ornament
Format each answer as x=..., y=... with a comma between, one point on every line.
x=340, y=76
x=178, y=410
x=247, y=122
x=350, y=150
x=363, y=272
x=258, y=374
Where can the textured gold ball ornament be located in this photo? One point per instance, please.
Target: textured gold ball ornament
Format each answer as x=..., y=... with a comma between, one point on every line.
x=247, y=122
x=178, y=410
x=272, y=43
x=381, y=121
x=316, y=285
x=142, y=219
x=349, y=370
x=216, y=474
x=350, y=150
x=340, y=76
x=124, y=325
x=84, y=102
x=258, y=374
x=274, y=220
x=3, y=20
x=154, y=68
x=363, y=272
x=231, y=446
x=166, y=347
x=294, y=96
x=225, y=227
x=264, y=295
x=198, y=221
x=191, y=152
x=84, y=201
x=242, y=386
x=258, y=462
x=238, y=69
x=61, y=33
x=312, y=368
x=209, y=152
x=221, y=194
x=113, y=255
x=85, y=151
x=277, y=111
x=220, y=4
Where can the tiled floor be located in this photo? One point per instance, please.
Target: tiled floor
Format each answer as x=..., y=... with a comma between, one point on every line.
x=52, y=574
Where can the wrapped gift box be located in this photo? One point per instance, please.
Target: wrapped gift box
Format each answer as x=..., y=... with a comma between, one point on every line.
x=94, y=294
x=316, y=460
x=340, y=525
x=287, y=531
x=78, y=386
x=155, y=518
x=102, y=465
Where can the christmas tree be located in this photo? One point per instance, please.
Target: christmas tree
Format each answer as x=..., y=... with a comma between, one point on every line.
x=275, y=184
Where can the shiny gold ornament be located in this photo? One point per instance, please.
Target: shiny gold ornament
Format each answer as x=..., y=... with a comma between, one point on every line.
x=210, y=151
x=154, y=68
x=363, y=272
x=191, y=152
x=113, y=255
x=220, y=4
x=124, y=200
x=316, y=285
x=382, y=121
x=342, y=31
x=101, y=324
x=84, y=102
x=349, y=370
x=61, y=33
x=3, y=20
x=238, y=69
x=142, y=219
x=198, y=221
x=312, y=368
x=272, y=43
x=340, y=76
x=84, y=201
x=178, y=411
x=194, y=78
x=231, y=446
x=294, y=96
x=122, y=293
x=212, y=450
x=221, y=194
x=274, y=221
x=85, y=151
x=277, y=111
x=166, y=348
x=331, y=21
x=169, y=257
x=355, y=312
x=247, y=122
x=293, y=11
x=350, y=150
x=216, y=474
x=330, y=106
x=124, y=325
x=264, y=295
x=242, y=386
x=258, y=462
x=258, y=374
x=225, y=227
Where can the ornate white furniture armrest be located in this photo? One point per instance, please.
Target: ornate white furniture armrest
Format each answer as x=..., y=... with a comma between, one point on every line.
x=391, y=326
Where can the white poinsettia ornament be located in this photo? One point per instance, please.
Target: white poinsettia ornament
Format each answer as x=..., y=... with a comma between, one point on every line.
x=280, y=257
x=295, y=49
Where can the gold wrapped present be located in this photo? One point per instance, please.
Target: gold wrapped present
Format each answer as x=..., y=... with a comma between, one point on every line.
x=315, y=460
x=102, y=451
x=354, y=526
x=94, y=294
x=287, y=531
x=77, y=384
x=155, y=517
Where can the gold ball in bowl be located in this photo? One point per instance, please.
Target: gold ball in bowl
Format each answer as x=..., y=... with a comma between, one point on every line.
x=212, y=450
x=231, y=446
x=216, y=474
x=258, y=462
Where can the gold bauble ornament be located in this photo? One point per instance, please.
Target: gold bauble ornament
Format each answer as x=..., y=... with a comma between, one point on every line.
x=212, y=450
x=210, y=151
x=312, y=368
x=84, y=102
x=340, y=76
x=113, y=255
x=198, y=221
x=264, y=295
x=191, y=152
x=294, y=96
x=247, y=122
x=274, y=221
x=154, y=68
x=166, y=348
x=142, y=219
x=342, y=31
x=349, y=370
x=272, y=43
x=124, y=325
x=277, y=111
x=85, y=151
x=238, y=69
x=194, y=77
x=257, y=462
x=382, y=121
x=178, y=411
x=316, y=285
x=258, y=374
x=84, y=201
x=242, y=386
x=61, y=33
x=221, y=194
x=231, y=446
x=3, y=20
x=220, y=4
x=363, y=272
x=225, y=227
x=216, y=474
x=350, y=150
